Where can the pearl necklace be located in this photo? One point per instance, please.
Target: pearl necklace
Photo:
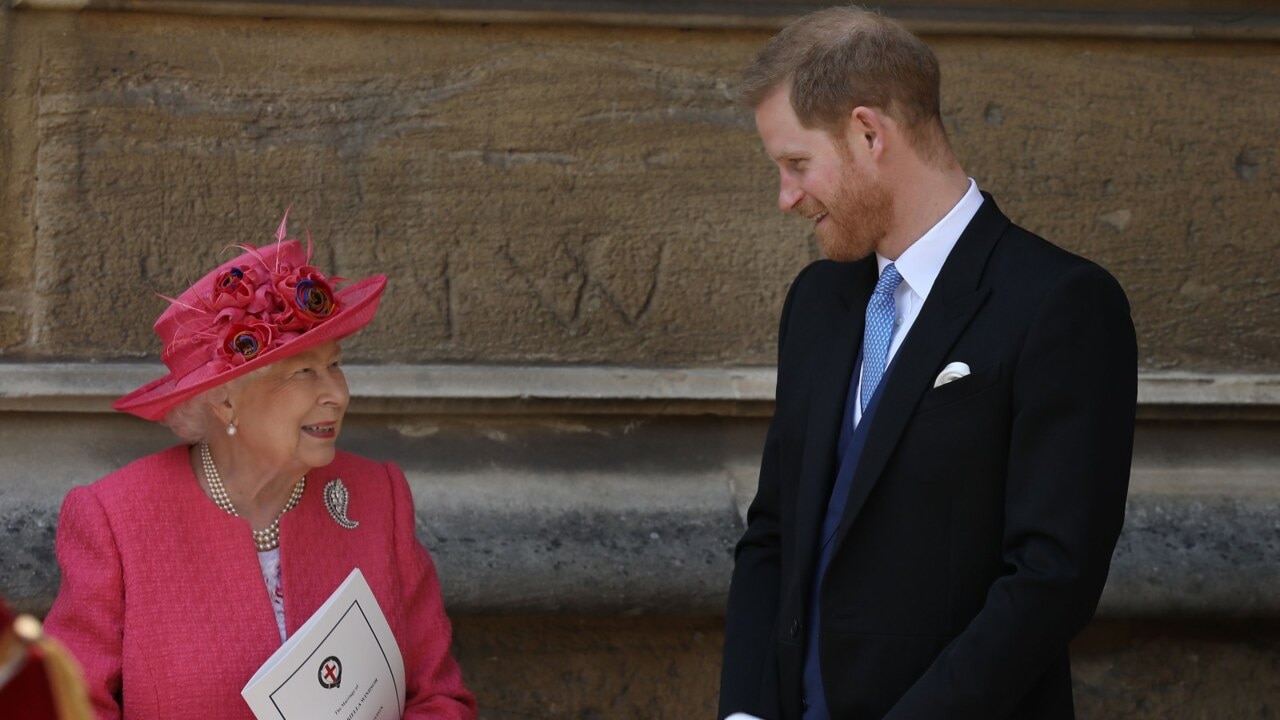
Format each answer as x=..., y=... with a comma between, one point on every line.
x=267, y=538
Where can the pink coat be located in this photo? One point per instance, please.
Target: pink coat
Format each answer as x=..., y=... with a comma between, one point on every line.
x=164, y=605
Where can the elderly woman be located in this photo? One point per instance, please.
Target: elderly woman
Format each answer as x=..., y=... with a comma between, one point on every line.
x=183, y=571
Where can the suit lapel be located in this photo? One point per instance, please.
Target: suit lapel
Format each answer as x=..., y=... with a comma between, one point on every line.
x=956, y=296
x=842, y=318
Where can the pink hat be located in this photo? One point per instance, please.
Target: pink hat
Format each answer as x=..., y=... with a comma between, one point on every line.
x=265, y=305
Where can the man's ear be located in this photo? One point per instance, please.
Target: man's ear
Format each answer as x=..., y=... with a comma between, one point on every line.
x=866, y=130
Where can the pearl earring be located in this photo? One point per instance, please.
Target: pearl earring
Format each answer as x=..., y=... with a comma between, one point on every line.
x=231, y=428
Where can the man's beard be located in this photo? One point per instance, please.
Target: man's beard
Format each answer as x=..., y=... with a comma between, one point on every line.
x=859, y=217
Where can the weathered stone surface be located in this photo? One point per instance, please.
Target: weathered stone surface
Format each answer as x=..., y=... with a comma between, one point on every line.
x=17, y=152
x=590, y=194
x=668, y=667
x=1155, y=670
x=535, y=194
x=1230, y=403
x=1087, y=144
x=29, y=575
x=1219, y=551
x=13, y=328
x=594, y=562
x=530, y=667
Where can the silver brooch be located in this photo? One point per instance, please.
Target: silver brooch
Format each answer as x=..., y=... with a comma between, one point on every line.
x=335, y=501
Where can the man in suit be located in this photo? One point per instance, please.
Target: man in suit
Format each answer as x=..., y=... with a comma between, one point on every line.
x=944, y=477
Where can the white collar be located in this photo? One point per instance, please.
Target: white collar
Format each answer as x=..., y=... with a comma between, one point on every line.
x=920, y=263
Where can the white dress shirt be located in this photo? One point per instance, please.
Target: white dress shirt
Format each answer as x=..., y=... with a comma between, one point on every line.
x=919, y=266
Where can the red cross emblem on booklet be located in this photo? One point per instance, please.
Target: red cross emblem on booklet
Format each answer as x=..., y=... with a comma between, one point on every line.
x=330, y=672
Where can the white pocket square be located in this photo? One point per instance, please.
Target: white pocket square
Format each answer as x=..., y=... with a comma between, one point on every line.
x=953, y=371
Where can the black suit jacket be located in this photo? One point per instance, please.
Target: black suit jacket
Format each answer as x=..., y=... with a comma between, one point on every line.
x=982, y=517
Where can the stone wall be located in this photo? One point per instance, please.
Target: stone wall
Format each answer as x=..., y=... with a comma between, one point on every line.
x=587, y=264
x=586, y=194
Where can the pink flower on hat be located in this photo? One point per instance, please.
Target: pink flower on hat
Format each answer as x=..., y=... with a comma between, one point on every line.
x=305, y=299
x=314, y=296
x=233, y=295
x=243, y=341
x=232, y=289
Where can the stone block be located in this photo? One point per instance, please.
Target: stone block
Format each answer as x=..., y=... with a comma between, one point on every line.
x=591, y=667
x=1157, y=669
x=638, y=668
x=13, y=328
x=1085, y=142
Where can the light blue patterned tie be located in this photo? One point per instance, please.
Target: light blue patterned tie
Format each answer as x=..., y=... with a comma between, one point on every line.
x=878, y=333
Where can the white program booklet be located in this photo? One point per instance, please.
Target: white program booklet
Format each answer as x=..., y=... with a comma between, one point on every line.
x=342, y=663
